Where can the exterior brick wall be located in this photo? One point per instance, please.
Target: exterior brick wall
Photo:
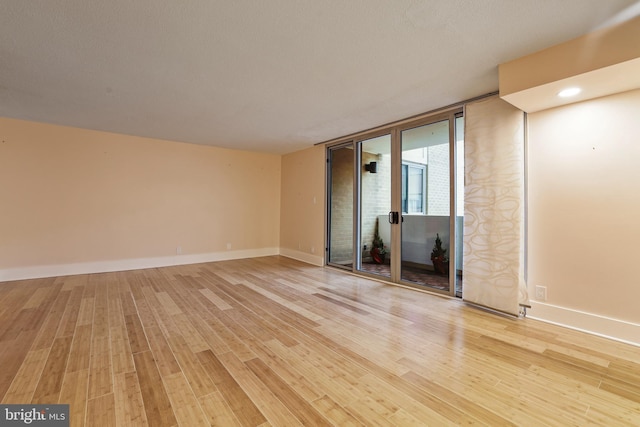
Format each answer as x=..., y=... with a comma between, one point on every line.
x=341, y=227
x=438, y=180
x=375, y=197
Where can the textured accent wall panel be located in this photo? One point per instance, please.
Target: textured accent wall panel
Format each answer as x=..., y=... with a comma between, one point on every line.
x=494, y=206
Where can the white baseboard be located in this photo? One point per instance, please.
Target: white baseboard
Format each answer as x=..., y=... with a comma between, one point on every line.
x=603, y=326
x=302, y=256
x=36, y=272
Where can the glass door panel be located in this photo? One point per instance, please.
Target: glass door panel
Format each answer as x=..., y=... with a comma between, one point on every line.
x=375, y=204
x=340, y=212
x=425, y=205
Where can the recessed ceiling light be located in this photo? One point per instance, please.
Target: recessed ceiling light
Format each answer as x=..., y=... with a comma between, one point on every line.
x=570, y=91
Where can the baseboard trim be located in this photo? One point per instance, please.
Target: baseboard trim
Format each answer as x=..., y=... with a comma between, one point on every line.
x=302, y=256
x=618, y=330
x=37, y=272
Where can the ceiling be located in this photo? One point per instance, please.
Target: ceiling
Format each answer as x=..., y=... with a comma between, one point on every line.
x=271, y=76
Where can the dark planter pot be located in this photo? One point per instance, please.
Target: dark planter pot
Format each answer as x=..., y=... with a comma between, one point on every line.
x=440, y=265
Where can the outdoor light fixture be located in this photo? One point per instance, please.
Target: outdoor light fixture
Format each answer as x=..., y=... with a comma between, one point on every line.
x=371, y=167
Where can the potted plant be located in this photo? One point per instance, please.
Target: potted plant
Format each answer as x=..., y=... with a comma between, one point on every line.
x=378, y=250
x=439, y=257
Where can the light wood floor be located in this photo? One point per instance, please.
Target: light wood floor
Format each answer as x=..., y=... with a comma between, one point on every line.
x=271, y=341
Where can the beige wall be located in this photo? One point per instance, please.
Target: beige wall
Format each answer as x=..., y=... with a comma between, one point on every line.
x=302, y=207
x=584, y=205
x=78, y=196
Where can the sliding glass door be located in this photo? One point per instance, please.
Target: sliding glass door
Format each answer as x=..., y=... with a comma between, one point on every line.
x=400, y=210
x=426, y=206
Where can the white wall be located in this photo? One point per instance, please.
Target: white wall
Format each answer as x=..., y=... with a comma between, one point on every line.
x=419, y=235
x=584, y=210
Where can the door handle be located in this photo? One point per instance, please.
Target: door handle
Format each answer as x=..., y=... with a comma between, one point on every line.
x=394, y=217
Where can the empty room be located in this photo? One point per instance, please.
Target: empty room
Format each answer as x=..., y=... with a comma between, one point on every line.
x=283, y=213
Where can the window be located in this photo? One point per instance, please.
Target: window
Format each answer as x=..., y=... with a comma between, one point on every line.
x=414, y=184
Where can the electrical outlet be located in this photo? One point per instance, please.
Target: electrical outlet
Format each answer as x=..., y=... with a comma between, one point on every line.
x=541, y=293
x=313, y=250
x=228, y=246
x=179, y=250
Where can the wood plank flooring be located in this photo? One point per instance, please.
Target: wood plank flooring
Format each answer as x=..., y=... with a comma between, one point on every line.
x=272, y=341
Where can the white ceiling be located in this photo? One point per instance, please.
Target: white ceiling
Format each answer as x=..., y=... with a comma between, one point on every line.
x=273, y=76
